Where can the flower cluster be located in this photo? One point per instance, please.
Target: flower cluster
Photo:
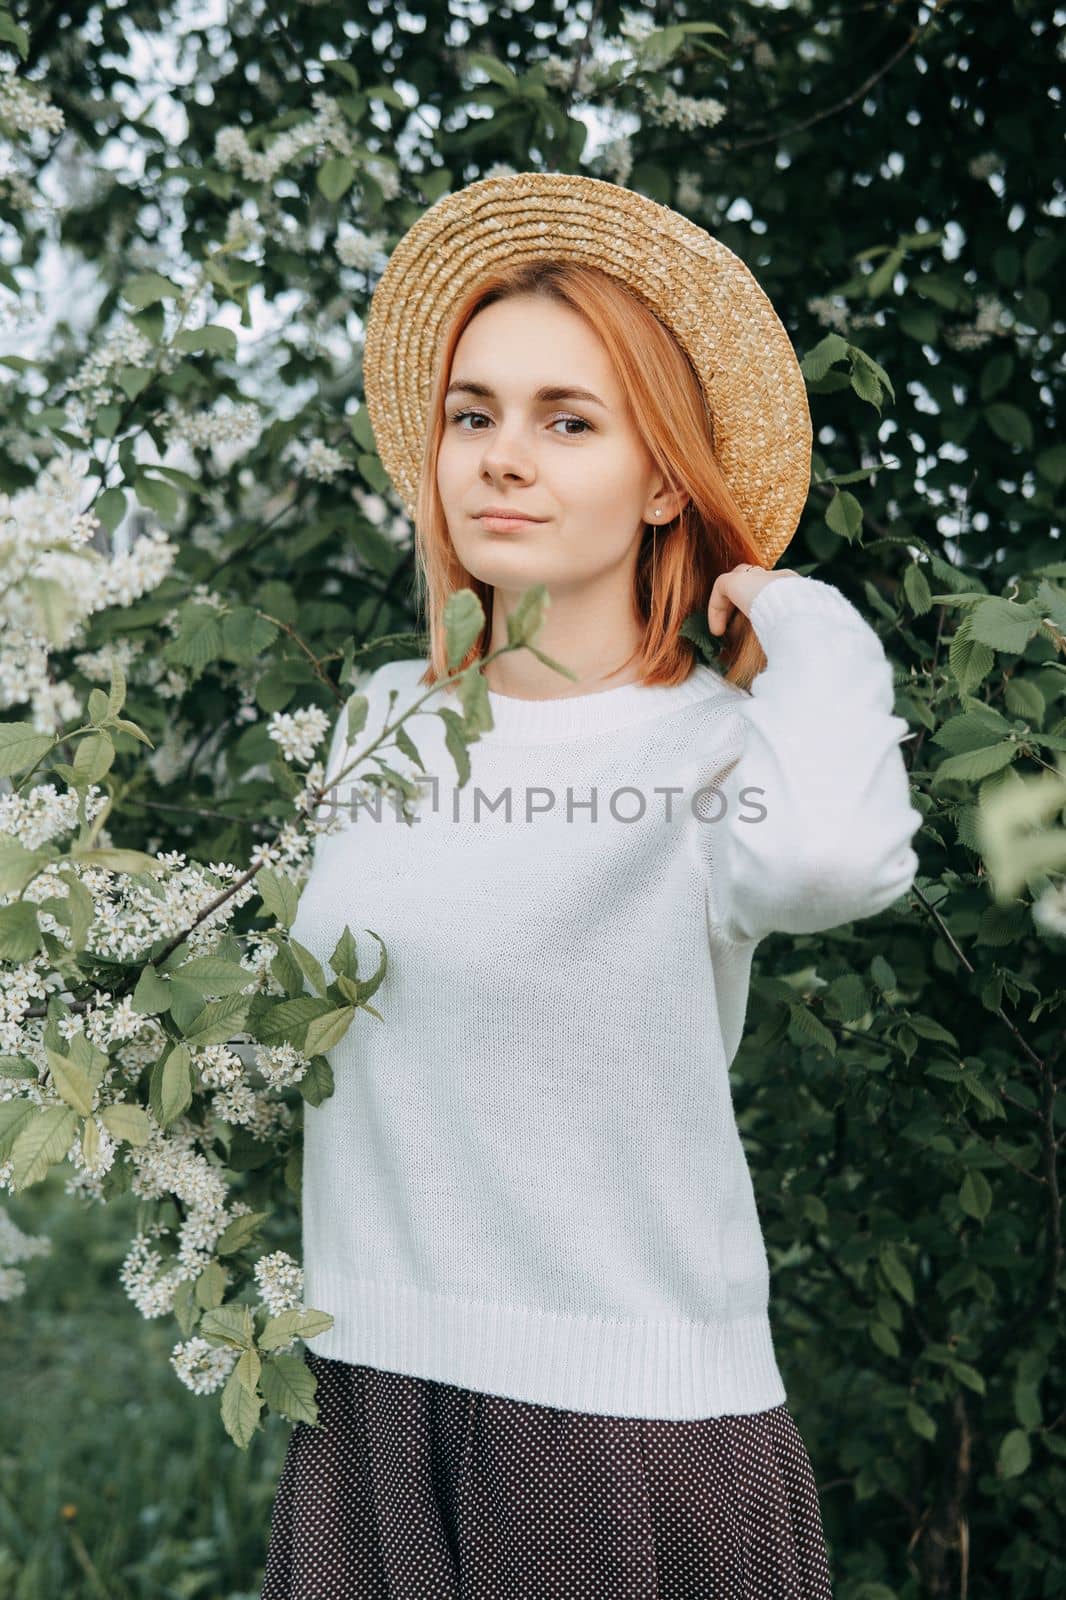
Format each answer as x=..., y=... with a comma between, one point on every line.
x=52, y=580
x=988, y=323
x=673, y=110
x=222, y=423
x=17, y=1246
x=833, y=311
x=361, y=250
x=326, y=133
x=25, y=107
x=298, y=732
x=281, y=1282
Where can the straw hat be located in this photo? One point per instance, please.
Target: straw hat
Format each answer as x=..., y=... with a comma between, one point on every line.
x=704, y=294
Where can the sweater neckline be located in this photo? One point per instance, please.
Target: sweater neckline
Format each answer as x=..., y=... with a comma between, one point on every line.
x=516, y=719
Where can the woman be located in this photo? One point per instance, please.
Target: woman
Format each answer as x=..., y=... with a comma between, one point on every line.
x=526, y=1206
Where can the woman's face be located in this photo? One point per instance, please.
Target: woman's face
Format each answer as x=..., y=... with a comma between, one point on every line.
x=575, y=463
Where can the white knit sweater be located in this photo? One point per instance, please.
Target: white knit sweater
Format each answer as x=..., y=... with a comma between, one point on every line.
x=529, y=1180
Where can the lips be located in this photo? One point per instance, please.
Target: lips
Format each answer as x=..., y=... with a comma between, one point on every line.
x=513, y=516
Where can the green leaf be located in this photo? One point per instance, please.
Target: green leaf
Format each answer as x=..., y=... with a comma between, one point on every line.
x=19, y=865
x=184, y=480
x=16, y=1067
x=21, y=746
x=818, y=360
x=280, y=896
x=110, y=507
x=335, y=177
x=996, y=374
x=289, y=1386
x=56, y=607
x=968, y=1375
x=317, y=1082
x=20, y=933
x=240, y=1411
x=229, y=1325
x=1003, y=624
x=288, y=1325
x=527, y=618
x=1051, y=464
x=210, y=1286
x=975, y=1195
x=969, y=660
x=127, y=1123
x=345, y=957
x=130, y=861
x=92, y=759
x=326, y=1031
x=920, y=1421
x=463, y=621
x=285, y=970
x=1010, y=423
x=896, y=1273
x=248, y=1369
x=152, y=994
x=1015, y=1454
x=42, y=1144
x=883, y=1337
x=132, y=380
x=72, y=1082
x=15, y=1115
x=245, y=634
x=219, y=1020
x=287, y=1021
x=496, y=69
x=220, y=341
x=844, y=514
x=975, y=764
x=10, y=30
x=240, y=1232
x=309, y=965
x=916, y=588
x=156, y=495
x=199, y=638
x=213, y=974
x=148, y=287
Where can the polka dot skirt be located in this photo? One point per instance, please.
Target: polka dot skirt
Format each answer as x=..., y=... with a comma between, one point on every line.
x=410, y=1489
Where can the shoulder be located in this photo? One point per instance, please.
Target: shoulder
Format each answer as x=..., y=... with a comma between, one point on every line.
x=715, y=693
x=402, y=675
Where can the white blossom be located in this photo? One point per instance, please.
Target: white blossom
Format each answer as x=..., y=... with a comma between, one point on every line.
x=325, y=134
x=281, y=1064
x=673, y=110
x=221, y=424
x=299, y=733
x=1049, y=911
x=203, y=1367
x=281, y=1282
x=25, y=106
x=17, y=1246
x=361, y=250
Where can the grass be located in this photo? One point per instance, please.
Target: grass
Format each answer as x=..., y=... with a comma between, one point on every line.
x=115, y=1480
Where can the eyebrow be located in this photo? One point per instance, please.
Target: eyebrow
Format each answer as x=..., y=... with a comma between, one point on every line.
x=547, y=392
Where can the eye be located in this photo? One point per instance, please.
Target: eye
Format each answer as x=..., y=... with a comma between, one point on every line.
x=458, y=416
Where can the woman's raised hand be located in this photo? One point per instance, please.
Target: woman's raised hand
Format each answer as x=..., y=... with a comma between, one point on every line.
x=736, y=589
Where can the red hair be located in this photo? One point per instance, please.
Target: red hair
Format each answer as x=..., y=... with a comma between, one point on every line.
x=709, y=536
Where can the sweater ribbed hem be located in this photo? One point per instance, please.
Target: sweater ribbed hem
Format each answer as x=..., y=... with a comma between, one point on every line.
x=670, y=1371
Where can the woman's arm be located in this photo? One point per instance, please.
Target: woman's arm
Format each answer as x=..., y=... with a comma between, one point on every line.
x=814, y=817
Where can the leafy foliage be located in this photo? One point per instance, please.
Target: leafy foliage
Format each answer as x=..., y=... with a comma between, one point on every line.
x=205, y=544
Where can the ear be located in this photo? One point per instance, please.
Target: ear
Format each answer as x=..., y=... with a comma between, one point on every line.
x=668, y=503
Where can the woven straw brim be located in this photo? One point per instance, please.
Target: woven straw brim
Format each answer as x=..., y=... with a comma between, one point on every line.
x=703, y=293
